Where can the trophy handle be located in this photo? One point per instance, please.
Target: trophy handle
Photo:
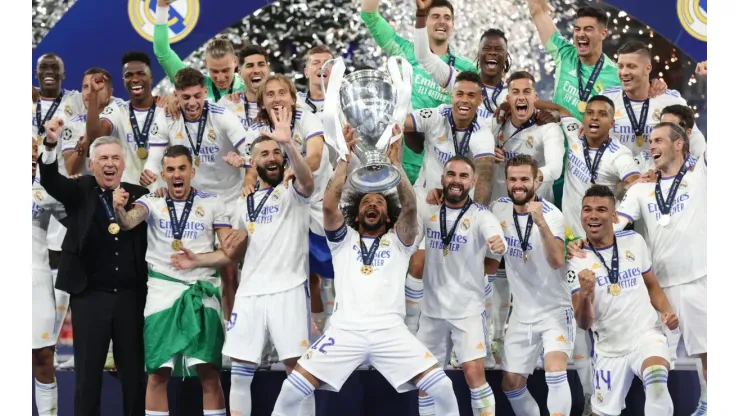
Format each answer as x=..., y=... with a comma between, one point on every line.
x=333, y=134
x=400, y=71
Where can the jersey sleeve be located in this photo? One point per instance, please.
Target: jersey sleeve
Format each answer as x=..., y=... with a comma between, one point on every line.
x=71, y=134
x=624, y=164
x=442, y=73
x=253, y=132
x=571, y=128
x=231, y=126
x=646, y=262
x=336, y=239
x=235, y=214
x=554, y=150
x=147, y=201
x=158, y=132
x=297, y=196
x=386, y=37
x=407, y=249
x=171, y=63
x=424, y=119
x=697, y=142
x=488, y=227
x=111, y=114
x=630, y=206
x=556, y=223
x=311, y=125
x=559, y=48
x=221, y=216
x=574, y=266
x=482, y=143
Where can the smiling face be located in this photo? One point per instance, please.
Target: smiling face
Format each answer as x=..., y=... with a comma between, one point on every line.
x=254, y=71
x=50, y=73
x=521, y=183
x=598, y=216
x=191, y=101
x=439, y=24
x=466, y=97
x=634, y=71
x=588, y=36
x=269, y=161
x=492, y=56
x=598, y=120
x=314, y=63
x=107, y=164
x=373, y=213
x=221, y=70
x=663, y=150
x=457, y=181
x=277, y=95
x=137, y=78
x=521, y=98
x=177, y=172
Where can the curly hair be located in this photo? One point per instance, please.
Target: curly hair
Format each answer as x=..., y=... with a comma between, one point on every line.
x=351, y=208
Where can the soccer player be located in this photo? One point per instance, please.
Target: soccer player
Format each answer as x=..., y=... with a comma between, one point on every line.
x=272, y=300
x=458, y=234
x=139, y=122
x=426, y=92
x=254, y=69
x=619, y=298
x=43, y=207
x=53, y=101
x=542, y=315
x=221, y=61
x=493, y=59
x=181, y=235
x=636, y=112
x=370, y=260
x=316, y=57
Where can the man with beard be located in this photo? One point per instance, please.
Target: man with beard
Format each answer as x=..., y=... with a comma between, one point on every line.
x=272, y=300
x=139, y=122
x=254, y=69
x=313, y=99
x=370, y=258
x=619, y=299
x=458, y=235
x=543, y=313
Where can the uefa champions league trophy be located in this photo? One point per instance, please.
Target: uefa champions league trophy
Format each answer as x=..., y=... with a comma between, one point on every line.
x=372, y=102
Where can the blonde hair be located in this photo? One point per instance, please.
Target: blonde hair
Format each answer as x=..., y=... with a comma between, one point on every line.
x=219, y=47
x=263, y=115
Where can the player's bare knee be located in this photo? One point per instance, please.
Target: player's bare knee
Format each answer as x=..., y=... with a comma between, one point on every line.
x=421, y=375
x=556, y=361
x=474, y=372
x=160, y=378
x=290, y=364
x=512, y=381
x=416, y=265
x=210, y=377
x=43, y=364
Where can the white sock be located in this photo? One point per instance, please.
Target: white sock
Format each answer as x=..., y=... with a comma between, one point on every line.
x=414, y=295
x=482, y=400
x=439, y=387
x=240, y=395
x=308, y=406
x=156, y=413
x=219, y=412
x=501, y=303
x=327, y=298
x=426, y=406
x=701, y=408
x=61, y=299
x=295, y=389
x=489, y=303
x=46, y=398
x=657, y=397
x=522, y=402
x=558, y=396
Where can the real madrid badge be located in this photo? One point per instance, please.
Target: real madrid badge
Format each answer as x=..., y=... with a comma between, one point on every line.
x=614, y=289
x=177, y=245
x=114, y=228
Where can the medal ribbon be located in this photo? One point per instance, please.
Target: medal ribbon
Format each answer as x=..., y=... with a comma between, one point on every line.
x=141, y=137
x=614, y=270
x=254, y=213
x=528, y=231
x=593, y=168
x=585, y=93
x=369, y=255
x=310, y=103
x=201, y=129
x=496, y=92
x=638, y=128
x=179, y=226
x=527, y=124
x=217, y=93
x=108, y=206
x=462, y=147
x=447, y=238
x=665, y=204
x=49, y=114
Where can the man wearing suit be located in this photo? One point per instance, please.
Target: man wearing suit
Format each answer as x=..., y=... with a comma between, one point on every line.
x=104, y=270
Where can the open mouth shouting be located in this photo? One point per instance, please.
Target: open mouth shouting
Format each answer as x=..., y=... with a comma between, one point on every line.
x=464, y=110
x=49, y=80
x=593, y=127
x=109, y=173
x=455, y=190
x=491, y=64
x=256, y=79
x=137, y=89
x=372, y=214
x=178, y=184
x=583, y=45
x=272, y=168
x=593, y=226
x=521, y=108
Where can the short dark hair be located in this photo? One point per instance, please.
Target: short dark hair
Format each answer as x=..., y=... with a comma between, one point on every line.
x=600, y=191
x=469, y=76
x=675, y=132
x=189, y=77
x=498, y=33
x=261, y=139
x=684, y=113
x=136, y=56
x=522, y=160
x=461, y=158
x=634, y=46
x=443, y=3
x=250, y=50
x=351, y=209
x=597, y=14
x=602, y=98
x=177, y=151
x=521, y=75
x=318, y=49
x=97, y=70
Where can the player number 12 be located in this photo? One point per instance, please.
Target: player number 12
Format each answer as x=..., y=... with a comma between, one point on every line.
x=329, y=342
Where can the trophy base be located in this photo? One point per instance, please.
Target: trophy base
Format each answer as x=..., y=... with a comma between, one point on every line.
x=375, y=178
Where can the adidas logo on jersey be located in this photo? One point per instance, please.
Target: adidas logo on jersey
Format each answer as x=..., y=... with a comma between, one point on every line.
x=304, y=344
x=179, y=135
x=433, y=218
x=480, y=346
x=560, y=339
x=428, y=355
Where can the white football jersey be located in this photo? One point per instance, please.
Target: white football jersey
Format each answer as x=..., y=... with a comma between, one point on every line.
x=617, y=164
x=277, y=250
x=43, y=208
x=207, y=214
x=246, y=110
x=545, y=145
x=460, y=274
x=680, y=249
x=70, y=105
x=310, y=104
x=539, y=290
x=72, y=131
x=223, y=134
x=625, y=134
x=620, y=320
x=117, y=114
x=374, y=301
x=439, y=146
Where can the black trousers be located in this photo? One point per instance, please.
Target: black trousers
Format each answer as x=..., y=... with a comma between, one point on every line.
x=97, y=318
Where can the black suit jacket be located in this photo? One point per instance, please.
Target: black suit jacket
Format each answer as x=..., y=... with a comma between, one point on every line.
x=80, y=198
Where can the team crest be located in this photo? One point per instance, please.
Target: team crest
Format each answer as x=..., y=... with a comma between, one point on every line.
x=199, y=211
x=276, y=194
x=693, y=17
x=656, y=114
x=595, y=266
x=183, y=16
x=683, y=185
x=465, y=225
x=385, y=243
x=629, y=256
x=599, y=397
x=599, y=87
x=212, y=135
x=297, y=139
x=68, y=110
x=38, y=195
x=504, y=224
x=309, y=354
x=530, y=141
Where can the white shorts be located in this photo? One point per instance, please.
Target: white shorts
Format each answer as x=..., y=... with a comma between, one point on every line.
x=188, y=361
x=689, y=302
x=394, y=352
x=44, y=310
x=284, y=318
x=613, y=375
x=583, y=347
x=523, y=343
x=467, y=335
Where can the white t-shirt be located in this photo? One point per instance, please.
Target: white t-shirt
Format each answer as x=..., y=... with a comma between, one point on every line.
x=617, y=164
x=43, y=208
x=619, y=320
x=117, y=114
x=207, y=214
x=539, y=290
x=680, y=249
x=439, y=146
x=277, y=250
x=454, y=285
x=247, y=115
x=223, y=134
x=624, y=133
x=545, y=145
x=374, y=301
x=303, y=102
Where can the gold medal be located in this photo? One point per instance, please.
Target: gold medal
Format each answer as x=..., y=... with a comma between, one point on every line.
x=251, y=226
x=39, y=141
x=177, y=245
x=640, y=140
x=142, y=153
x=582, y=107
x=366, y=269
x=196, y=160
x=445, y=250
x=614, y=289
x=114, y=228
x=526, y=257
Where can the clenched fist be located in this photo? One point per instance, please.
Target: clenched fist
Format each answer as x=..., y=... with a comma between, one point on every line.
x=535, y=209
x=496, y=244
x=587, y=280
x=53, y=129
x=670, y=320
x=120, y=197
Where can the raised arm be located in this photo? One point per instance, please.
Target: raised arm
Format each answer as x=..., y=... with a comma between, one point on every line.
x=407, y=225
x=551, y=106
x=442, y=73
x=95, y=126
x=554, y=151
x=484, y=185
x=382, y=32
x=131, y=218
x=538, y=9
x=61, y=188
x=584, y=312
x=333, y=218
x=282, y=135
x=554, y=246
x=171, y=63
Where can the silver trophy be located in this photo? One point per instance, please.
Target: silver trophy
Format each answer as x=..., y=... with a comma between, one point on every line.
x=368, y=101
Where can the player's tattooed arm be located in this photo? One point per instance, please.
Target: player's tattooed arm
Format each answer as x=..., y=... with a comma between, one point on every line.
x=130, y=219
x=407, y=226
x=484, y=170
x=333, y=218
